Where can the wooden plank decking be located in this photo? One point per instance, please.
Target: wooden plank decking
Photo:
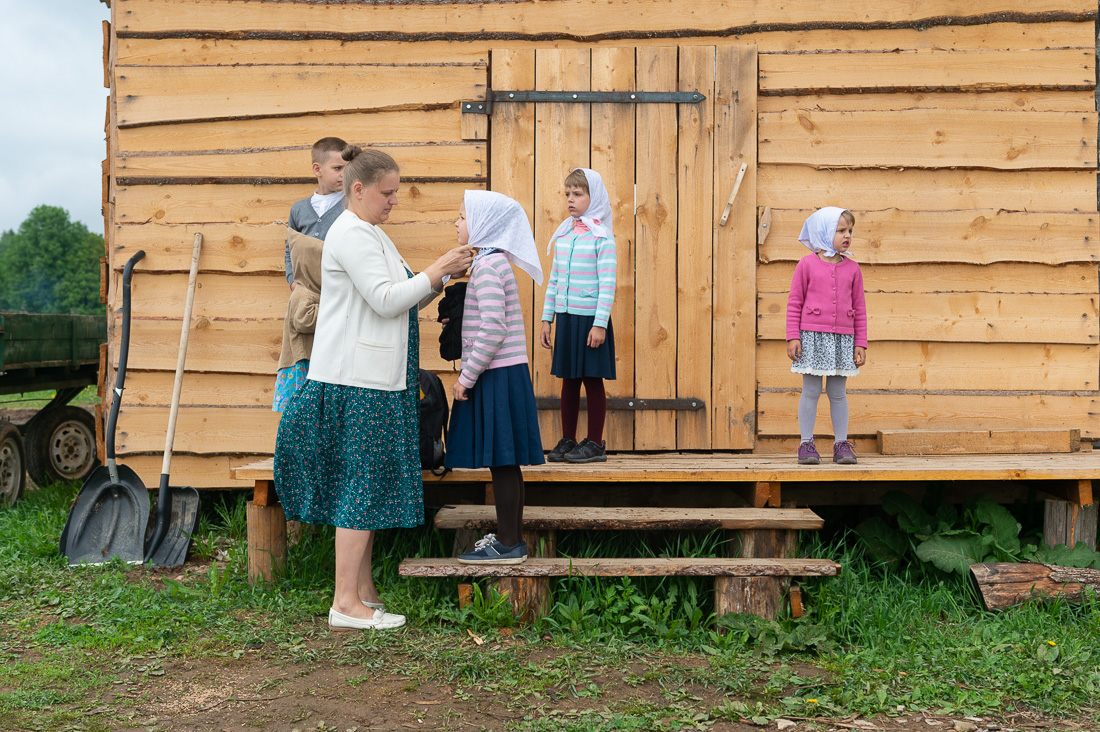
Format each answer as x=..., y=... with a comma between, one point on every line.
x=545, y=518
x=721, y=468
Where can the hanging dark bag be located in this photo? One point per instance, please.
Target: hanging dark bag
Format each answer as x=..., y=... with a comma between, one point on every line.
x=433, y=421
x=450, y=309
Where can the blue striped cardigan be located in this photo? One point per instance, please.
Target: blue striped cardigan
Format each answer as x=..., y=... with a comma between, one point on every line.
x=582, y=279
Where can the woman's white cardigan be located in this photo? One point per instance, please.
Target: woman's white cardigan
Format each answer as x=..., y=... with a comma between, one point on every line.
x=362, y=336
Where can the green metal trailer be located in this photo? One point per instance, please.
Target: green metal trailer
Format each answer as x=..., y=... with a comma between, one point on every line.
x=59, y=352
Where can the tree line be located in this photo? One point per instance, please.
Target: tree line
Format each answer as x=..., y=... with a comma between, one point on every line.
x=50, y=265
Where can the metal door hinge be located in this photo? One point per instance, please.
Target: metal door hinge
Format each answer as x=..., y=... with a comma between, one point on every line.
x=485, y=106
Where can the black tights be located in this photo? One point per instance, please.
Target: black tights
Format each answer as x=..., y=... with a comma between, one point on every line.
x=508, y=495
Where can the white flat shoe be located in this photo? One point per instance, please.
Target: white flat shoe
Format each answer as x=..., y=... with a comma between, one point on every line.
x=374, y=605
x=380, y=621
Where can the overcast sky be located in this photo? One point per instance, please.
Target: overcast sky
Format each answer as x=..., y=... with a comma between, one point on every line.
x=51, y=76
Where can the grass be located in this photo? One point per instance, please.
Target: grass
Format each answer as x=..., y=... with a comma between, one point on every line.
x=875, y=641
x=39, y=399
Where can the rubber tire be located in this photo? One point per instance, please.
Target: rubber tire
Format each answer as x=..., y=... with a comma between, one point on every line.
x=68, y=431
x=13, y=476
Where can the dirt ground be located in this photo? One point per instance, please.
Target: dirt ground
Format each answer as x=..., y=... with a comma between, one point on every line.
x=260, y=692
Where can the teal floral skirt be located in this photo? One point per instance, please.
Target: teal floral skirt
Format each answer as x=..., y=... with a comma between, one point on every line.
x=350, y=457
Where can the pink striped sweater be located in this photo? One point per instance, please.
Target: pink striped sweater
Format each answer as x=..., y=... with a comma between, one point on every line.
x=493, y=334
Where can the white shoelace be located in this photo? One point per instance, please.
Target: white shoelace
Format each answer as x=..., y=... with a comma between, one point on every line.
x=485, y=541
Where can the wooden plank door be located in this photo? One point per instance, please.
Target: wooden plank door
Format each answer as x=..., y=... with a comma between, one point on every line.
x=685, y=305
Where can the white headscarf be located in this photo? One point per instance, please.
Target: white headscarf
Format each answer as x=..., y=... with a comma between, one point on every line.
x=498, y=222
x=820, y=229
x=599, y=209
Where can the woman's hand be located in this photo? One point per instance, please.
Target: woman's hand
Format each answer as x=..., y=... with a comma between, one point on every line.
x=544, y=336
x=596, y=336
x=860, y=355
x=453, y=263
x=459, y=392
x=794, y=349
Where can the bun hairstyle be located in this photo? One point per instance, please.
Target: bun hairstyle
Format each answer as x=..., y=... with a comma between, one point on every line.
x=365, y=166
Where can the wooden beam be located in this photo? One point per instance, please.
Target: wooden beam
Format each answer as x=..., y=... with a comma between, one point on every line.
x=695, y=245
x=198, y=429
x=613, y=154
x=1004, y=101
x=416, y=160
x=618, y=567
x=1065, y=522
x=847, y=73
x=926, y=138
x=951, y=277
x=790, y=186
x=972, y=237
x=961, y=317
x=933, y=366
x=230, y=51
x=262, y=204
x=893, y=411
x=573, y=518
x=209, y=93
x=245, y=248
x=976, y=442
x=577, y=19
x=657, y=217
x=400, y=126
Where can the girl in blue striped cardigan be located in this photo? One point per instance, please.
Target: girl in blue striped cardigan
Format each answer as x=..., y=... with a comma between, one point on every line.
x=579, y=296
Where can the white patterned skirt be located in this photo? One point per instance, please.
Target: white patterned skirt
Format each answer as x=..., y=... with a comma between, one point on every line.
x=826, y=354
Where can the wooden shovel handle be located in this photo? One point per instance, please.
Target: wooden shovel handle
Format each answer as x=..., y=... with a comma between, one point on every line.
x=182, y=358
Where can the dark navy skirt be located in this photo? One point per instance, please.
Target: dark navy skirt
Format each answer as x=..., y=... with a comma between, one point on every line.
x=498, y=424
x=573, y=359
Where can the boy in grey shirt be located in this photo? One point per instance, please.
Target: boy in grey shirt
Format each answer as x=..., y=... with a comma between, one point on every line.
x=314, y=215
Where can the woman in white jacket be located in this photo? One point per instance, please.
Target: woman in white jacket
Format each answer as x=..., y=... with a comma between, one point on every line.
x=347, y=452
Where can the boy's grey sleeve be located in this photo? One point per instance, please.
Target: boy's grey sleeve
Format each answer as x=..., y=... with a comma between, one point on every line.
x=286, y=256
x=286, y=253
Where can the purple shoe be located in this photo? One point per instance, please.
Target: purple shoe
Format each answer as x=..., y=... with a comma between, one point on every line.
x=844, y=453
x=807, y=454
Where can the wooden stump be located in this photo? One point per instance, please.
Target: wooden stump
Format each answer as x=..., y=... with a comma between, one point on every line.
x=541, y=543
x=1065, y=522
x=530, y=596
x=756, y=595
x=266, y=542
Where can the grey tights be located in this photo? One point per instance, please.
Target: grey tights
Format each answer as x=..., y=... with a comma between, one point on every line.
x=835, y=387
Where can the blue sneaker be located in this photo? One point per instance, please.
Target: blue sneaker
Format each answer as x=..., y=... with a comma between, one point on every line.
x=491, y=551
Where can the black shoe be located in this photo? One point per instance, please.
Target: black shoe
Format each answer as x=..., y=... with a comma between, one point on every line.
x=587, y=452
x=557, y=455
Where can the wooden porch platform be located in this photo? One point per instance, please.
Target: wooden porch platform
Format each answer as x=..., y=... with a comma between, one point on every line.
x=726, y=467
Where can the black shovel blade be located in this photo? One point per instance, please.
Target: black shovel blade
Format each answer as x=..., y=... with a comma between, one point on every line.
x=182, y=518
x=107, y=520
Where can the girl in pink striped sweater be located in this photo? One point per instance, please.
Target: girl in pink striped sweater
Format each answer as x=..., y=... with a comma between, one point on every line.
x=826, y=327
x=494, y=421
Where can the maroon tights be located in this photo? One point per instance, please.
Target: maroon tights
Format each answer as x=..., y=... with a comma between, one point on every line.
x=571, y=407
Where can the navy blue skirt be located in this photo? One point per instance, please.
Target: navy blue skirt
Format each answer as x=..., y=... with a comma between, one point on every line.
x=498, y=424
x=573, y=359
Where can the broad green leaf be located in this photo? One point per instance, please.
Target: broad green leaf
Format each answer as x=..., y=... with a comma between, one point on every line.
x=886, y=544
x=1078, y=556
x=952, y=553
x=912, y=518
x=1006, y=531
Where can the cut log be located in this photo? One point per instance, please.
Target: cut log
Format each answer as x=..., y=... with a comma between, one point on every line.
x=1004, y=584
x=266, y=542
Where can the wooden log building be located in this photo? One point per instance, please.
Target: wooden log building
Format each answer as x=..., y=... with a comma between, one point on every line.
x=962, y=134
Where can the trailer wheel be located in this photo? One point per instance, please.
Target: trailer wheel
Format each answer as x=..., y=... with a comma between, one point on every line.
x=13, y=477
x=60, y=444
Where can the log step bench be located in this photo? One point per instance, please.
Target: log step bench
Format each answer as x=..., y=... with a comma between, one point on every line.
x=754, y=582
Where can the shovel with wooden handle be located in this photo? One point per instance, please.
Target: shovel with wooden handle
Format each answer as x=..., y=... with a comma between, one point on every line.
x=177, y=507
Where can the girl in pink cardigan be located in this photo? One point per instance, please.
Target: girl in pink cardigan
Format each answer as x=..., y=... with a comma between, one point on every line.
x=826, y=327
